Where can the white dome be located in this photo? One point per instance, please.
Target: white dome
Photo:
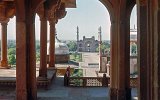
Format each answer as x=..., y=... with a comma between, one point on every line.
x=60, y=48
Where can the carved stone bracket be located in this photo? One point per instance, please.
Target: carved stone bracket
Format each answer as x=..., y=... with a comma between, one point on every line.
x=143, y=2
x=6, y=20
x=7, y=10
x=49, y=10
x=40, y=10
x=61, y=13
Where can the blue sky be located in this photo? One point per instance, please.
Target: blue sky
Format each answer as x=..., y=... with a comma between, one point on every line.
x=89, y=16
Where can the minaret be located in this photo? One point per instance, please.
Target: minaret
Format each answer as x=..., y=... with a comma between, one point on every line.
x=100, y=51
x=77, y=38
x=77, y=33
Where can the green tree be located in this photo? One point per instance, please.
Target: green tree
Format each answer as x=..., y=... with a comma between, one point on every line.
x=37, y=46
x=104, y=46
x=12, y=59
x=134, y=49
x=11, y=44
x=37, y=50
x=37, y=56
x=107, y=44
x=12, y=51
x=72, y=46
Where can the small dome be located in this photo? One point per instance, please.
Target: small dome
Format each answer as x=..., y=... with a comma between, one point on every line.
x=60, y=47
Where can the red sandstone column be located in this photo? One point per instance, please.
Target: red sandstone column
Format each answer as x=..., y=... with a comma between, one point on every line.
x=4, y=61
x=123, y=58
x=120, y=59
x=142, y=52
x=43, y=50
x=158, y=50
x=113, y=62
x=52, y=43
x=26, y=88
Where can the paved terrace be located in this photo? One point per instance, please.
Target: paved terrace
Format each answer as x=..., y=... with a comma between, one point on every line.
x=58, y=92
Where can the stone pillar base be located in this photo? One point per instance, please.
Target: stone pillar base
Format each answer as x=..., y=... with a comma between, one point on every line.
x=121, y=94
x=128, y=93
x=113, y=94
x=4, y=65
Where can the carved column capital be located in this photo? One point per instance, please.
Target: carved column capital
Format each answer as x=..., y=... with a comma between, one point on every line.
x=7, y=10
x=61, y=12
x=42, y=18
x=143, y=2
x=5, y=21
x=52, y=21
x=42, y=12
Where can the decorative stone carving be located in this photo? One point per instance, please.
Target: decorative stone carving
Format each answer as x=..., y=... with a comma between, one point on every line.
x=143, y=2
x=7, y=10
x=60, y=13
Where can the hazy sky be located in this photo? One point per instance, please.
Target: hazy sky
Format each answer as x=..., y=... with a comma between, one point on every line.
x=89, y=16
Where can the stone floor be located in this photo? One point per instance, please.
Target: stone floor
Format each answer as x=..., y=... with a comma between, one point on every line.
x=58, y=92
x=5, y=73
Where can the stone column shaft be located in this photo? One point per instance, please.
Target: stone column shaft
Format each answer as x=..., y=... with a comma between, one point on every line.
x=158, y=50
x=113, y=62
x=121, y=57
x=142, y=52
x=43, y=49
x=25, y=62
x=26, y=87
x=4, y=61
x=52, y=44
x=120, y=76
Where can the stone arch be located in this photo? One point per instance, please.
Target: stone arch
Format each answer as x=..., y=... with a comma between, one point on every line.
x=88, y=45
x=130, y=5
x=109, y=7
x=37, y=3
x=141, y=2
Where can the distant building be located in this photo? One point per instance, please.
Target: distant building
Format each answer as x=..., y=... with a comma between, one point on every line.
x=133, y=42
x=87, y=44
x=61, y=51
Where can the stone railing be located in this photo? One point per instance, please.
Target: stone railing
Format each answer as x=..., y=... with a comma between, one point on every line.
x=134, y=82
x=93, y=82
x=86, y=81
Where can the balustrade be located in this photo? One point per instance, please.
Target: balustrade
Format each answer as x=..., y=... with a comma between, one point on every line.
x=94, y=81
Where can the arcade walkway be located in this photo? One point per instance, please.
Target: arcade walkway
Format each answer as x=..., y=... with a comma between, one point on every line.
x=58, y=92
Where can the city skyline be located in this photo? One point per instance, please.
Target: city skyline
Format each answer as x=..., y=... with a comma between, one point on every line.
x=86, y=16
